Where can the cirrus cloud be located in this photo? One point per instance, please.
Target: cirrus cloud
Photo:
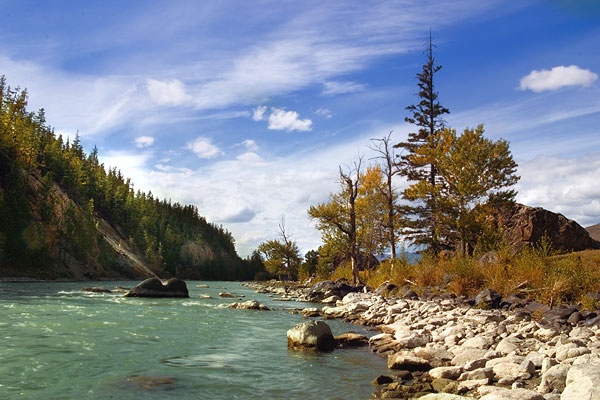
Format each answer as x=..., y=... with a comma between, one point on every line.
x=332, y=88
x=557, y=77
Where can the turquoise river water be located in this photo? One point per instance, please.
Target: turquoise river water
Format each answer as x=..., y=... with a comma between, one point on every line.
x=58, y=342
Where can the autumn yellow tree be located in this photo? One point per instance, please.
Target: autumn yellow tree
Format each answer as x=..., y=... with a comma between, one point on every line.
x=476, y=171
x=353, y=220
x=281, y=257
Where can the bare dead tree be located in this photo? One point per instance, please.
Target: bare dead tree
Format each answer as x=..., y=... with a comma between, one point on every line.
x=387, y=156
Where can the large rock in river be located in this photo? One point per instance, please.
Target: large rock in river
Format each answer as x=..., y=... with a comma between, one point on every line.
x=312, y=336
x=154, y=287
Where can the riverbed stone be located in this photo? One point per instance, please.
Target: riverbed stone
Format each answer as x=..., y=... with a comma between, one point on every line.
x=311, y=336
x=452, y=372
x=464, y=354
x=351, y=339
x=477, y=374
x=444, y=396
x=582, y=382
x=407, y=362
x=507, y=372
x=509, y=344
x=500, y=354
x=309, y=312
x=570, y=350
x=554, y=379
x=501, y=393
x=249, y=305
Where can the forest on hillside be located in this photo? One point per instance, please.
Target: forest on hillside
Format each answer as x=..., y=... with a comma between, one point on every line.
x=53, y=196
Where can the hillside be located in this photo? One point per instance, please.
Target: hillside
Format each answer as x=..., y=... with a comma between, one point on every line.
x=594, y=231
x=64, y=216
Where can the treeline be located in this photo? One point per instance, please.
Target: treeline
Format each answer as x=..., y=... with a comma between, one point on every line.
x=53, y=196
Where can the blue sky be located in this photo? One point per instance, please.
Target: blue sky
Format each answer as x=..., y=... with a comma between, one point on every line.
x=247, y=108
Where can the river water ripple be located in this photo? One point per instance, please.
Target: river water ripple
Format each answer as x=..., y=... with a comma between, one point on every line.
x=58, y=342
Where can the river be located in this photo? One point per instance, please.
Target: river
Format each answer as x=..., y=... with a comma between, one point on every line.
x=59, y=342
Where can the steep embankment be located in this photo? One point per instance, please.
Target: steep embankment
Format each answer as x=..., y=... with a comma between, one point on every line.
x=127, y=256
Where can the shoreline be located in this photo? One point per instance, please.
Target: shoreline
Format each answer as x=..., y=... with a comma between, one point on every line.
x=444, y=344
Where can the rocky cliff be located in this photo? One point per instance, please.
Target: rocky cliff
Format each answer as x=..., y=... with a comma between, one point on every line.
x=521, y=225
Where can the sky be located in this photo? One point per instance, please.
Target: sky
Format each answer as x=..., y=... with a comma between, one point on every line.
x=247, y=109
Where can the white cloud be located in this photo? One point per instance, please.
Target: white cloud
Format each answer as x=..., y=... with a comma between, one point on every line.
x=250, y=157
x=258, y=113
x=171, y=92
x=229, y=190
x=332, y=88
x=557, y=77
x=144, y=141
x=563, y=185
x=133, y=165
x=250, y=145
x=280, y=119
x=203, y=148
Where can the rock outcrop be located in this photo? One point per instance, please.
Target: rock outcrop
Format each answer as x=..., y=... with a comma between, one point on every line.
x=522, y=224
x=154, y=287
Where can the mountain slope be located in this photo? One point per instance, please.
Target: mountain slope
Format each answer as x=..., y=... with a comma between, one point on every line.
x=64, y=216
x=594, y=231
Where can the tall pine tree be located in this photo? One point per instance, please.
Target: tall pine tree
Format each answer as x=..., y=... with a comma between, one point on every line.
x=422, y=214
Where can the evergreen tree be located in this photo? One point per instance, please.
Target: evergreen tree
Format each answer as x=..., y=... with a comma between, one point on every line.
x=423, y=222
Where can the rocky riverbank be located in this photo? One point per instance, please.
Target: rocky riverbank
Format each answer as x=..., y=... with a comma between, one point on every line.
x=443, y=347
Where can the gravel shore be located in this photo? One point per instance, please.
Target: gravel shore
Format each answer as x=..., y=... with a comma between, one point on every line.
x=447, y=348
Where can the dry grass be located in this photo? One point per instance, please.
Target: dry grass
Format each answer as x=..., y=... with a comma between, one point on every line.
x=535, y=272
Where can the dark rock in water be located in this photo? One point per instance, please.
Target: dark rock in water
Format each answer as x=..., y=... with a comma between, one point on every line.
x=154, y=287
x=145, y=382
x=311, y=336
x=382, y=380
x=488, y=299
